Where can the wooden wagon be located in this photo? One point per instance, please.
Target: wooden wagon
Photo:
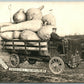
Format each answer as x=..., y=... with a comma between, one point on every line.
x=47, y=51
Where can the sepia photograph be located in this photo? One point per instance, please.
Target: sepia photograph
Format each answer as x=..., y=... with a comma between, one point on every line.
x=41, y=42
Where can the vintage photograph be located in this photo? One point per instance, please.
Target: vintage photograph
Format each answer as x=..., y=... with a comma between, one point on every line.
x=41, y=42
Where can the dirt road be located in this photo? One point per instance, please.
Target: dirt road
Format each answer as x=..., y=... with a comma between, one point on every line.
x=69, y=75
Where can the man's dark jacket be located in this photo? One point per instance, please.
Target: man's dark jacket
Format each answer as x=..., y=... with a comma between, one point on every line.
x=55, y=37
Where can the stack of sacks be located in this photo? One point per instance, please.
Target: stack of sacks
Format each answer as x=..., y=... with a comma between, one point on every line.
x=29, y=26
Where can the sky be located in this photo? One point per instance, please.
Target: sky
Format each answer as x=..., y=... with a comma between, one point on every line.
x=69, y=15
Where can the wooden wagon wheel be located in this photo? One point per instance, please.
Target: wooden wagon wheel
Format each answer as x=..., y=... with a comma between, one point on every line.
x=56, y=65
x=14, y=60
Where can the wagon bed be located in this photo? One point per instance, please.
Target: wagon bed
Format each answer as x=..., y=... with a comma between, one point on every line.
x=36, y=45
x=34, y=48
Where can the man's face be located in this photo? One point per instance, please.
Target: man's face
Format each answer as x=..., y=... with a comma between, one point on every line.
x=54, y=30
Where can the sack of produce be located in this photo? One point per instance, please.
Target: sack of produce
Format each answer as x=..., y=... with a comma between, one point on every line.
x=19, y=16
x=49, y=19
x=45, y=31
x=7, y=35
x=29, y=35
x=33, y=25
x=5, y=24
x=34, y=13
x=16, y=34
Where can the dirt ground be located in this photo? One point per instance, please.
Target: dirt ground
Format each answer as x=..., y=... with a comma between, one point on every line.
x=69, y=75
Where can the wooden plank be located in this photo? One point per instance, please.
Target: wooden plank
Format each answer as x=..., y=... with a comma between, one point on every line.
x=15, y=43
x=28, y=48
x=26, y=45
x=3, y=64
x=19, y=40
x=27, y=70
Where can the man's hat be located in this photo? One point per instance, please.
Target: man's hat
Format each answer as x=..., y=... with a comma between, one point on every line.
x=54, y=28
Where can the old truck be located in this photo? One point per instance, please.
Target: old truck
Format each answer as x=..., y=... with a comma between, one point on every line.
x=47, y=51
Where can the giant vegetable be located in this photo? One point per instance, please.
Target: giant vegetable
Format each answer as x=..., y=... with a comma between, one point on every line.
x=33, y=25
x=49, y=19
x=16, y=34
x=34, y=13
x=45, y=31
x=29, y=35
x=5, y=24
x=7, y=35
x=19, y=16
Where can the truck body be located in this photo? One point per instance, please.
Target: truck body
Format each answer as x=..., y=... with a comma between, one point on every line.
x=58, y=53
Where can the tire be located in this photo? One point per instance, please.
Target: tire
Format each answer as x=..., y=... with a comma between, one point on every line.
x=73, y=66
x=56, y=65
x=14, y=60
x=32, y=61
x=75, y=61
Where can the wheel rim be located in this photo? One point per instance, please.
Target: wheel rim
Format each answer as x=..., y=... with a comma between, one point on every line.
x=56, y=65
x=14, y=59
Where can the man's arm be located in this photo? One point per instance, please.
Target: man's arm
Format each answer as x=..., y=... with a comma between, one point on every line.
x=54, y=36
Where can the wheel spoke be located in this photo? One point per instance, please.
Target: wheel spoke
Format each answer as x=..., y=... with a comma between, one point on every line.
x=13, y=62
x=14, y=59
x=56, y=69
x=56, y=65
